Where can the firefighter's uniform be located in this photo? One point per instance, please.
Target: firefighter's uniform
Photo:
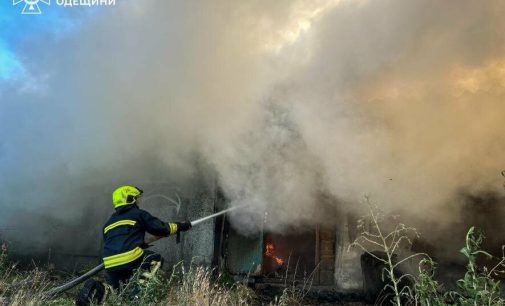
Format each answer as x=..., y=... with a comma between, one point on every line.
x=124, y=233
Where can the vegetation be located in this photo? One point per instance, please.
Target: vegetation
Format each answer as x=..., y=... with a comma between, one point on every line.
x=193, y=285
x=427, y=289
x=374, y=236
x=478, y=287
x=293, y=294
x=197, y=285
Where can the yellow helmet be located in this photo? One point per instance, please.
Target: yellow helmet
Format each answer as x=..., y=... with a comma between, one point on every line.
x=125, y=195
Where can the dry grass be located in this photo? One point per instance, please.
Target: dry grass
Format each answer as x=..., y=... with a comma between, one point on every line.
x=194, y=285
x=23, y=288
x=197, y=286
x=294, y=293
x=184, y=286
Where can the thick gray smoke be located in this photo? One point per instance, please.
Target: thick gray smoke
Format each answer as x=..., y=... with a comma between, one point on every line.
x=285, y=100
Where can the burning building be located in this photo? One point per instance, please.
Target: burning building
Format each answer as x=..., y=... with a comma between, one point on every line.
x=287, y=100
x=317, y=253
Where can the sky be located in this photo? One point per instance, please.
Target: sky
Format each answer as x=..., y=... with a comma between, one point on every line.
x=54, y=23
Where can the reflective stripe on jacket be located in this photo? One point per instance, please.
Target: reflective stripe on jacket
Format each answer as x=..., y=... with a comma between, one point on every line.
x=124, y=233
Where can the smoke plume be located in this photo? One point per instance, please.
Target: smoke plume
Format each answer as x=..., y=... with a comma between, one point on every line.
x=284, y=100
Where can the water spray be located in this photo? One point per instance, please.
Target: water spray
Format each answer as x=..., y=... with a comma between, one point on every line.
x=198, y=221
x=71, y=284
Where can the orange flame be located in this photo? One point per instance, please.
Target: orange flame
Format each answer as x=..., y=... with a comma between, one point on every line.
x=278, y=260
x=269, y=252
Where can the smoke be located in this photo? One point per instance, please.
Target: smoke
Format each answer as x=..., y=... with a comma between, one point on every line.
x=398, y=100
x=287, y=101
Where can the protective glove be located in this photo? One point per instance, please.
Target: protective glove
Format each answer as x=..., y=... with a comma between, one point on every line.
x=183, y=226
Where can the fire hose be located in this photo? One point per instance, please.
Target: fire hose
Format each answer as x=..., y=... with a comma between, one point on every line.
x=76, y=281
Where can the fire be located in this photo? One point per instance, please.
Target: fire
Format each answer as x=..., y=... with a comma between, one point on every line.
x=278, y=260
x=270, y=249
x=269, y=252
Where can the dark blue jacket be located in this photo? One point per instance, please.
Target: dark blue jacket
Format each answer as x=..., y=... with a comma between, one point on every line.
x=124, y=233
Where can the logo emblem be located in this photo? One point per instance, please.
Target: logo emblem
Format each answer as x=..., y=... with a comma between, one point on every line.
x=31, y=6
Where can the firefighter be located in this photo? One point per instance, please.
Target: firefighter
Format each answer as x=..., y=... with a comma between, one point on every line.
x=123, y=236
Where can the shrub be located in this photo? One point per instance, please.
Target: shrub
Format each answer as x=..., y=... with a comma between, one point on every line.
x=426, y=289
x=477, y=287
x=373, y=236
